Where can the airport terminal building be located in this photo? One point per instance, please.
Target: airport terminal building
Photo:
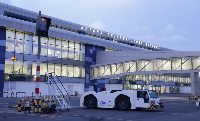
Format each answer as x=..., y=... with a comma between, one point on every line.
x=86, y=58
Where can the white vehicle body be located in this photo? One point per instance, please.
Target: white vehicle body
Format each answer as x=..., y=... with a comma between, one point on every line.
x=121, y=99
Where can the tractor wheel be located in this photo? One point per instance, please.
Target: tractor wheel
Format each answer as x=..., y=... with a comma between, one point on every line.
x=90, y=102
x=122, y=102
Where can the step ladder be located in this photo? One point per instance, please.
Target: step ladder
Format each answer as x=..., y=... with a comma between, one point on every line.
x=57, y=89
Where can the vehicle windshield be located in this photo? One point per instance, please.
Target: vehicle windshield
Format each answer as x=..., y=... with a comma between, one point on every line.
x=153, y=94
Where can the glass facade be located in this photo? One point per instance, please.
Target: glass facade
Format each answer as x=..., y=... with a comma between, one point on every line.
x=56, y=51
x=190, y=63
x=156, y=74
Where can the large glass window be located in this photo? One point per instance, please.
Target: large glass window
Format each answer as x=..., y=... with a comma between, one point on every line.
x=43, y=68
x=64, y=71
x=58, y=69
x=166, y=65
x=132, y=66
x=34, y=65
x=71, y=50
x=176, y=64
x=28, y=43
x=140, y=65
x=148, y=65
x=58, y=48
x=18, y=67
x=35, y=45
x=10, y=40
x=77, y=51
x=64, y=49
x=187, y=65
x=83, y=72
x=27, y=68
x=77, y=71
x=101, y=70
x=196, y=63
x=44, y=42
x=70, y=71
x=8, y=66
x=82, y=54
x=51, y=67
x=19, y=42
x=51, y=47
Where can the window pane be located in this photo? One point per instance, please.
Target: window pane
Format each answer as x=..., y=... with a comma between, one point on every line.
x=10, y=35
x=71, y=50
x=27, y=67
x=70, y=71
x=58, y=48
x=77, y=71
x=28, y=41
x=8, y=66
x=34, y=65
x=77, y=51
x=196, y=63
x=35, y=45
x=18, y=67
x=187, y=65
x=51, y=47
x=19, y=42
x=64, y=49
x=64, y=70
x=43, y=68
x=58, y=70
x=51, y=67
x=44, y=46
x=82, y=55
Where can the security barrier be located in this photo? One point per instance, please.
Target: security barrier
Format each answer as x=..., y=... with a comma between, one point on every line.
x=27, y=106
x=12, y=94
x=21, y=92
x=45, y=108
x=192, y=97
x=186, y=93
x=5, y=92
x=34, y=93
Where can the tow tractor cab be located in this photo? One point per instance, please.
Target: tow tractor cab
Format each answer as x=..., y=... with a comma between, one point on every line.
x=121, y=99
x=155, y=99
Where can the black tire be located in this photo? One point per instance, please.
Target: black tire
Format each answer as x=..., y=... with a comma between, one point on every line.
x=122, y=102
x=90, y=102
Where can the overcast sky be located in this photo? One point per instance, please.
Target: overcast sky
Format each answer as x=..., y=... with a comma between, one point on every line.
x=173, y=24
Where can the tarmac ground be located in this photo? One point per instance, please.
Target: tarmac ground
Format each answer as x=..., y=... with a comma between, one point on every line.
x=177, y=108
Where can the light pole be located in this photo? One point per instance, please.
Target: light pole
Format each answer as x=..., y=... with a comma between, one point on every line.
x=42, y=27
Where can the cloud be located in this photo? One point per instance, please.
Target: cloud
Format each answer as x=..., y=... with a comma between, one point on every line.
x=169, y=28
x=139, y=28
x=100, y=25
x=173, y=38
